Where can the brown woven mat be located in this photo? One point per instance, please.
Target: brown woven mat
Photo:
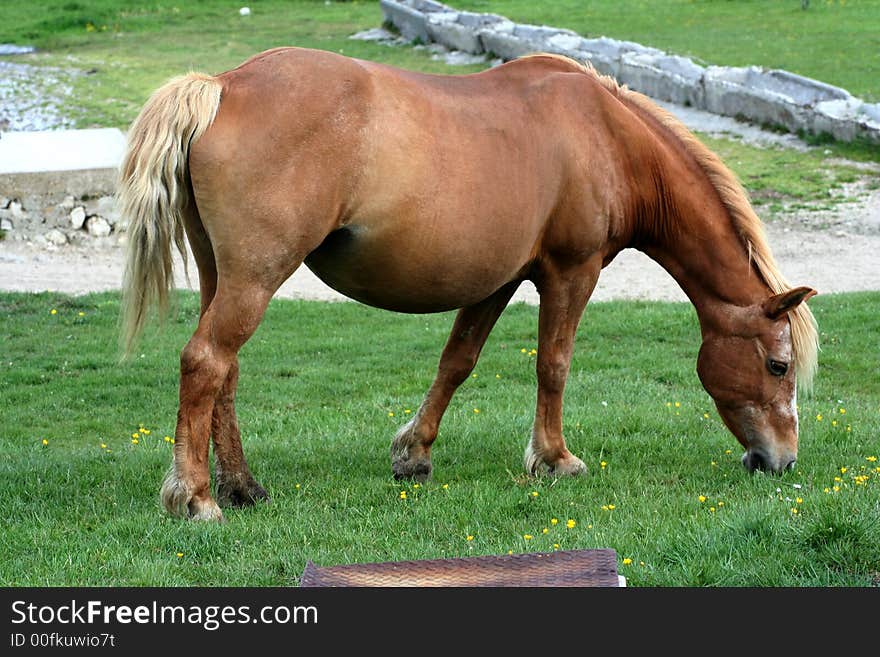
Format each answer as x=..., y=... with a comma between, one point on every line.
x=562, y=568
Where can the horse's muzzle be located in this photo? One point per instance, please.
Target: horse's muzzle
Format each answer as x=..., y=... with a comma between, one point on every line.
x=755, y=459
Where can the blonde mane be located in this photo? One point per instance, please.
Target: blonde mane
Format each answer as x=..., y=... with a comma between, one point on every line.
x=804, y=333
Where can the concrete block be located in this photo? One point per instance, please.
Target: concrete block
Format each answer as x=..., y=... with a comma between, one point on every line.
x=665, y=77
x=847, y=119
x=745, y=93
x=460, y=30
x=411, y=22
x=501, y=40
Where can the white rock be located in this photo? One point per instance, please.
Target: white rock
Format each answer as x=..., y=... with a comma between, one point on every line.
x=77, y=217
x=16, y=209
x=56, y=237
x=106, y=207
x=5, y=224
x=97, y=226
x=4, y=202
x=67, y=203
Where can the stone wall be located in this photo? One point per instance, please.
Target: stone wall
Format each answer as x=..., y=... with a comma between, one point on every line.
x=765, y=96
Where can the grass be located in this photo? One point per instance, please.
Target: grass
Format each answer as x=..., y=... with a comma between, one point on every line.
x=320, y=399
x=835, y=41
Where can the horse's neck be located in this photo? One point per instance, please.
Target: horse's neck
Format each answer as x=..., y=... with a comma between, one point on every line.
x=700, y=247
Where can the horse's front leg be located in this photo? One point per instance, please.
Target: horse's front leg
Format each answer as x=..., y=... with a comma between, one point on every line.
x=564, y=294
x=411, y=447
x=236, y=485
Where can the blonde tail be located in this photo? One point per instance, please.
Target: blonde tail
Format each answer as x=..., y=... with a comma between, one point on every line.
x=154, y=190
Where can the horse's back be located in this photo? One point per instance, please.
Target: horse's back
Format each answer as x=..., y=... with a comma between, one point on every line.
x=434, y=190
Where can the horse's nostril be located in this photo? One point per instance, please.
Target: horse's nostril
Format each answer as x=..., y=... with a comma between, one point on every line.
x=754, y=460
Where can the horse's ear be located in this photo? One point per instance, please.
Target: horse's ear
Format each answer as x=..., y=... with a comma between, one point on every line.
x=780, y=304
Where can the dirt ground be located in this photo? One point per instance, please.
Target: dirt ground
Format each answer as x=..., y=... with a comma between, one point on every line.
x=829, y=260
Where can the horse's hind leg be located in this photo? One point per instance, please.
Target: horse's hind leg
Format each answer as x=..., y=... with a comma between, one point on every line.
x=411, y=447
x=564, y=294
x=205, y=365
x=236, y=485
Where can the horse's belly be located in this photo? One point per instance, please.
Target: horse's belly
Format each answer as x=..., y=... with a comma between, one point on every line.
x=406, y=275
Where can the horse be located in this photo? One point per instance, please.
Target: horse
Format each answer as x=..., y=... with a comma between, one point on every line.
x=423, y=193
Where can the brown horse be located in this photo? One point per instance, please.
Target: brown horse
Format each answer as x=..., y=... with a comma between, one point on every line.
x=423, y=193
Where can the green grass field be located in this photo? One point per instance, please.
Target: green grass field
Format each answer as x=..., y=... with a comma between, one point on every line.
x=833, y=40
x=321, y=397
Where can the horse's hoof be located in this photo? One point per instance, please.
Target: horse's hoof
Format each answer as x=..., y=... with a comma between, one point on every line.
x=205, y=509
x=232, y=493
x=570, y=466
x=416, y=469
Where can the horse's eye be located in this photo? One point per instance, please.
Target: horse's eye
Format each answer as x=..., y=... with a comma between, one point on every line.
x=777, y=367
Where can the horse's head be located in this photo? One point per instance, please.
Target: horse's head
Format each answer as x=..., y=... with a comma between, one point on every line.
x=745, y=364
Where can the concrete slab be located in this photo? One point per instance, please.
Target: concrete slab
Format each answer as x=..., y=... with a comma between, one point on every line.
x=60, y=150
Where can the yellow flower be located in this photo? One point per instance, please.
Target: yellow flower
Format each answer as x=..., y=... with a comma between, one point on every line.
x=134, y=441
x=706, y=416
x=554, y=521
x=476, y=410
x=53, y=312
x=528, y=537
x=167, y=439
x=627, y=561
x=135, y=435
x=297, y=486
x=838, y=479
x=545, y=530
x=641, y=563
x=45, y=442
x=407, y=411
x=390, y=413
x=146, y=432
x=871, y=458
x=668, y=404
x=678, y=404
x=702, y=498
x=403, y=494
x=556, y=546
x=819, y=417
x=103, y=445
x=474, y=375
x=172, y=441
x=523, y=350
x=712, y=509
x=510, y=552
x=603, y=464
x=470, y=537
x=714, y=464
x=720, y=504
x=798, y=500
x=81, y=313
x=727, y=451
x=836, y=489
x=843, y=411
x=826, y=490
x=794, y=511
x=611, y=507
x=843, y=471
x=497, y=376
x=589, y=526
x=415, y=486
x=833, y=423
x=445, y=486
x=534, y=493
x=180, y=555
